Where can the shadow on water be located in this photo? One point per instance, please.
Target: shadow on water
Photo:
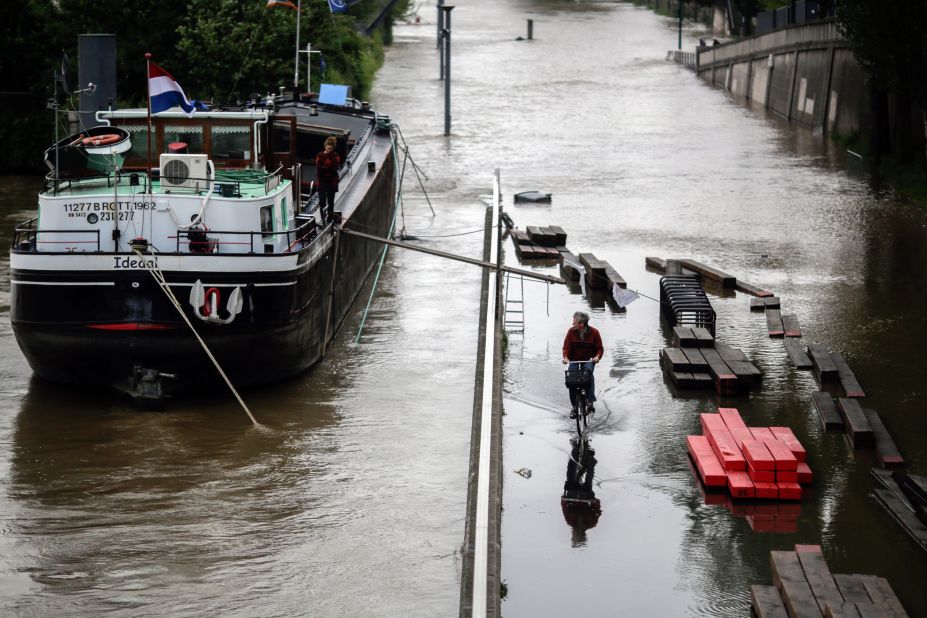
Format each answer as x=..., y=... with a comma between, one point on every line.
x=581, y=509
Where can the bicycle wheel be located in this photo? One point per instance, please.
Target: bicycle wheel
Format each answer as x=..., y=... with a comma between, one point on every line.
x=581, y=414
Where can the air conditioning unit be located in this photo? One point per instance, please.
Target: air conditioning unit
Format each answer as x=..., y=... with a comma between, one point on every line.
x=185, y=171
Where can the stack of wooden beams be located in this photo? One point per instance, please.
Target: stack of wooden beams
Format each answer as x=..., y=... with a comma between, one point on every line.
x=696, y=360
x=527, y=246
x=752, y=462
x=777, y=323
x=863, y=426
x=803, y=586
x=904, y=496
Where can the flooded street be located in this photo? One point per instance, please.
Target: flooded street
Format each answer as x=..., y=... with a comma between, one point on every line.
x=349, y=500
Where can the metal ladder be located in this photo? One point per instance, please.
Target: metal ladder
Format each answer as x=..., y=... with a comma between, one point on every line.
x=514, y=306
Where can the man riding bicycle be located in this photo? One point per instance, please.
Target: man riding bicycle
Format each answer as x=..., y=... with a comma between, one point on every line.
x=582, y=348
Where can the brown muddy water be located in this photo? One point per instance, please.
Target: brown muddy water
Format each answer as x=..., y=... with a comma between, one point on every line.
x=350, y=500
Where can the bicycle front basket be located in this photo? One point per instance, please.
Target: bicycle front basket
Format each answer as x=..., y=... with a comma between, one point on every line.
x=578, y=377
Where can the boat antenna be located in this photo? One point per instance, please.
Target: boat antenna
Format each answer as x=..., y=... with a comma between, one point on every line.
x=296, y=71
x=148, y=82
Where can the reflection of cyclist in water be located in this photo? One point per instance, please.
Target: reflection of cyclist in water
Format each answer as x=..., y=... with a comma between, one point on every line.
x=581, y=509
x=582, y=343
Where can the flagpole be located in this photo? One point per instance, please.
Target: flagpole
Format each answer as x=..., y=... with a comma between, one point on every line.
x=296, y=72
x=148, y=82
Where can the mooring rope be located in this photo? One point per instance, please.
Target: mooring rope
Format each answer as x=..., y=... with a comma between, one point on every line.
x=162, y=282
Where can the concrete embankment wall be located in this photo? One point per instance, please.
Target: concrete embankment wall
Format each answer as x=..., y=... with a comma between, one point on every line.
x=711, y=16
x=806, y=72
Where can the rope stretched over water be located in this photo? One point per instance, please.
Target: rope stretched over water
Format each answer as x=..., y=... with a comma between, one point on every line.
x=162, y=282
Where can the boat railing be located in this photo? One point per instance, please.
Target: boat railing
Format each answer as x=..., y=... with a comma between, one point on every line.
x=55, y=184
x=27, y=237
x=230, y=242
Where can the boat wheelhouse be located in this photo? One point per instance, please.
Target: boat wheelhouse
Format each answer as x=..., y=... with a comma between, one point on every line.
x=226, y=218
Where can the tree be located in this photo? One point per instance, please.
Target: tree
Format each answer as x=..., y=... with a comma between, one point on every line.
x=889, y=39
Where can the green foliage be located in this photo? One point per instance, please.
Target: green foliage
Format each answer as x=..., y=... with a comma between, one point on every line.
x=888, y=40
x=219, y=50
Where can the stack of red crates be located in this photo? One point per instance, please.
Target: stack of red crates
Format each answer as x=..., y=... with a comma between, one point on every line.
x=752, y=462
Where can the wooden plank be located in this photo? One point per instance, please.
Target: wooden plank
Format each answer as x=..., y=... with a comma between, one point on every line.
x=757, y=304
x=520, y=237
x=761, y=476
x=682, y=379
x=823, y=364
x=673, y=359
x=740, y=484
x=757, y=455
x=804, y=473
x=790, y=323
x=735, y=424
x=886, y=450
x=901, y=511
x=702, y=380
x=761, y=433
x=786, y=476
x=722, y=442
x=827, y=410
x=708, y=272
x=560, y=234
x=797, y=354
x=786, y=567
x=657, y=263
x=772, y=302
x=746, y=372
x=683, y=337
x=759, y=292
x=881, y=593
x=799, y=600
x=697, y=362
x=857, y=425
x=784, y=459
x=774, y=325
x=788, y=490
x=840, y=610
x=730, y=354
x=819, y=578
x=703, y=338
x=568, y=271
x=767, y=602
x=613, y=277
x=767, y=490
x=708, y=466
x=595, y=270
x=788, y=438
x=846, y=376
x=871, y=610
x=851, y=588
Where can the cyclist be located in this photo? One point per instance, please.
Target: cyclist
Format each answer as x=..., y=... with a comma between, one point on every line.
x=582, y=347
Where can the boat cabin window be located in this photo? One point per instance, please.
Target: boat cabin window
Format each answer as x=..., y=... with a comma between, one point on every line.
x=267, y=222
x=190, y=135
x=139, y=137
x=232, y=142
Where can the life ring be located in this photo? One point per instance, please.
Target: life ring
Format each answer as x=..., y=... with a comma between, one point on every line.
x=212, y=294
x=101, y=140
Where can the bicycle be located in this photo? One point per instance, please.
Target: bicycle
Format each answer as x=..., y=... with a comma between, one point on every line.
x=577, y=379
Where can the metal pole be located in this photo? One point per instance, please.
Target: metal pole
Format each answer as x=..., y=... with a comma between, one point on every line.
x=530, y=29
x=447, y=69
x=441, y=39
x=296, y=70
x=452, y=256
x=680, y=25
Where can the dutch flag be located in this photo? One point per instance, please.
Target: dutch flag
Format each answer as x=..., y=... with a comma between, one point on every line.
x=166, y=93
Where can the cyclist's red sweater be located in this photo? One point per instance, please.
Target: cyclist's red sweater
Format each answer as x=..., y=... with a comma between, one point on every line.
x=582, y=349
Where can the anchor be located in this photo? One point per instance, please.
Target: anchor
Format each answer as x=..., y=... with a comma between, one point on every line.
x=205, y=303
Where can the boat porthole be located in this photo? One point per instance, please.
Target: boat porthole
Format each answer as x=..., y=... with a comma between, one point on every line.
x=135, y=284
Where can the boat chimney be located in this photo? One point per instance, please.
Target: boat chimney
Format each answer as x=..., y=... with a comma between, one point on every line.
x=97, y=65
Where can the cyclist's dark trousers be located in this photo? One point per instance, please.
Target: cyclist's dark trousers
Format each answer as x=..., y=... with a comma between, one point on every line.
x=590, y=390
x=327, y=202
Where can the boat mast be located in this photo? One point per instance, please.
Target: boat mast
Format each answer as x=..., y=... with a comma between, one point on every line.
x=296, y=70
